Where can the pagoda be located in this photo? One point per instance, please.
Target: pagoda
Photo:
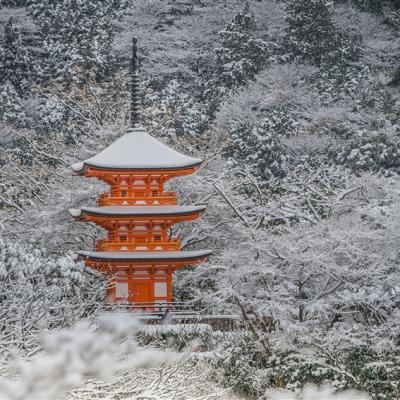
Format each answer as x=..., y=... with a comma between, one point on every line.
x=138, y=255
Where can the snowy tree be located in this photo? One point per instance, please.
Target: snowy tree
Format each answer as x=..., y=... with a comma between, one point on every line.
x=14, y=3
x=173, y=111
x=258, y=149
x=376, y=6
x=76, y=36
x=307, y=262
x=312, y=35
x=15, y=61
x=240, y=54
x=11, y=110
x=376, y=151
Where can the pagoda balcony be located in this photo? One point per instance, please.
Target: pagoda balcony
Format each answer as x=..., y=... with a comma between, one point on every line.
x=167, y=198
x=107, y=245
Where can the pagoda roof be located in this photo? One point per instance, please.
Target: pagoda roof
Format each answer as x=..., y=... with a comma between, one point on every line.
x=137, y=210
x=145, y=255
x=137, y=150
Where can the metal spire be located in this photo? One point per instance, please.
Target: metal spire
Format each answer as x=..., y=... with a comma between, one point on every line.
x=135, y=86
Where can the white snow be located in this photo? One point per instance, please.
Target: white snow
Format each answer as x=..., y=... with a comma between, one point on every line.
x=138, y=150
x=137, y=210
x=75, y=212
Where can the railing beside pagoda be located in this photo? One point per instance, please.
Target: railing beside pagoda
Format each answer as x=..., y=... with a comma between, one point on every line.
x=106, y=245
x=154, y=307
x=179, y=313
x=106, y=199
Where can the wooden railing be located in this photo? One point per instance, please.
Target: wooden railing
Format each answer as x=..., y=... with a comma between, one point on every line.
x=105, y=245
x=154, y=308
x=167, y=198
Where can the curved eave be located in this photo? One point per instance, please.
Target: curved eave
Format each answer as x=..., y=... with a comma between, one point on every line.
x=81, y=168
x=134, y=151
x=145, y=256
x=137, y=211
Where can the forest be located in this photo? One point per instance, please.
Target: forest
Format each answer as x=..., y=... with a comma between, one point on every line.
x=294, y=107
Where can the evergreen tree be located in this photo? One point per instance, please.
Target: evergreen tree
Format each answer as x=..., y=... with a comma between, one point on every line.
x=311, y=34
x=10, y=104
x=258, y=149
x=240, y=54
x=15, y=63
x=14, y=3
x=76, y=35
x=377, y=6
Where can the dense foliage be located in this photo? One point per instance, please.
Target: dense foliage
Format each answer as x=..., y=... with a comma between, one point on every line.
x=294, y=105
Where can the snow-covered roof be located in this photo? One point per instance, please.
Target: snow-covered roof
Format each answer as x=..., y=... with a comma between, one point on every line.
x=145, y=255
x=137, y=150
x=137, y=210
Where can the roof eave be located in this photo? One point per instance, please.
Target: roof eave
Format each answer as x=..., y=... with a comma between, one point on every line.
x=110, y=214
x=144, y=260
x=138, y=169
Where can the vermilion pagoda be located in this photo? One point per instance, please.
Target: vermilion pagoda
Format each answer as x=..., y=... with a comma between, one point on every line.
x=138, y=254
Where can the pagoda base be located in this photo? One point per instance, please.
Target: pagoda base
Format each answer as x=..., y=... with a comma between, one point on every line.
x=142, y=289
x=141, y=279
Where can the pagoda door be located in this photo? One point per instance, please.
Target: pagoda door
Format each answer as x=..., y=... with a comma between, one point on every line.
x=141, y=291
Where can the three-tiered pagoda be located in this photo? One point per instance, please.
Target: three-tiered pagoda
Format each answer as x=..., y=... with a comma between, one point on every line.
x=138, y=255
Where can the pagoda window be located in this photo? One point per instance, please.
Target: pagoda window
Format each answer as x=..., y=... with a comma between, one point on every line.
x=121, y=290
x=160, y=289
x=121, y=285
x=123, y=239
x=124, y=193
x=154, y=193
x=157, y=238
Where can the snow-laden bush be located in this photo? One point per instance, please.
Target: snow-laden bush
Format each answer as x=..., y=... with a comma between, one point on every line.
x=238, y=363
x=103, y=360
x=178, y=337
x=241, y=362
x=74, y=354
x=379, y=152
x=315, y=393
x=38, y=291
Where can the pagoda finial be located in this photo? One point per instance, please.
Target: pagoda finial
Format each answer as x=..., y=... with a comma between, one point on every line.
x=135, y=86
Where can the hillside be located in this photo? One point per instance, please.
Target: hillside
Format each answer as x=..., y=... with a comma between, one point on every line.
x=293, y=104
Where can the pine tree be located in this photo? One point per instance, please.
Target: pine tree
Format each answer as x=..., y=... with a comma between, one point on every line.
x=258, y=149
x=10, y=105
x=240, y=54
x=15, y=63
x=311, y=34
x=377, y=6
x=14, y=3
x=76, y=35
